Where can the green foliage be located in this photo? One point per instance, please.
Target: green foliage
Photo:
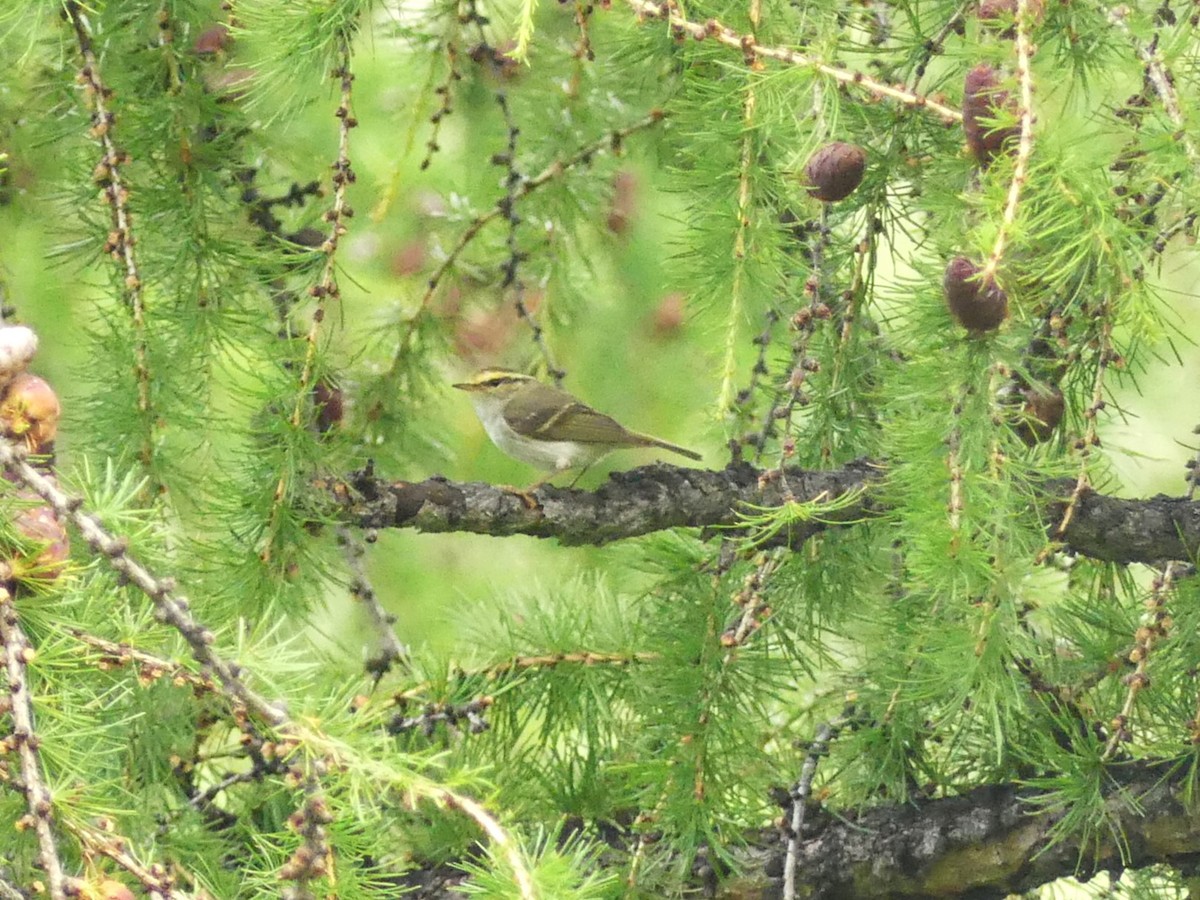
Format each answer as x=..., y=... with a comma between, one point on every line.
x=604, y=722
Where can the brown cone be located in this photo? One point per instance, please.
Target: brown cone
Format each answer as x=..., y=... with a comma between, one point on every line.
x=834, y=171
x=982, y=100
x=977, y=306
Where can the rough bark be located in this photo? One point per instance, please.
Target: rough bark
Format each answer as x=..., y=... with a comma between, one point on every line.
x=657, y=497
x=987, y=844
x=983, y=845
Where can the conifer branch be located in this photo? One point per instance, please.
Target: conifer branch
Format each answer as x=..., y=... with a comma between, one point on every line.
x=732, y=328
x=511, y=266
x=800, y=365
x=1106, y=356
x=583, y=47
x=935, y=45
x=169, y=607
x=9, y=891
x=654, y=498
x=1162, y=80
x=1154, y=628
x=582, y=156
x=1024, y=146
x=449, y=713
x=151, y=667
x=173, y=610
x=550, y=660
x=155, y=878
x=751, y=49
x=446, y=93
x=392, y=649
x=109, y=175
x=314, y=857
x=753, y=606
x=326, y=289
x=19, y=705
x=956, y=504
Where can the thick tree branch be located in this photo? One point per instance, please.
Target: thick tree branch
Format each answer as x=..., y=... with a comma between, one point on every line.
x=658, y=497
x=630, y=503
x=986, y=844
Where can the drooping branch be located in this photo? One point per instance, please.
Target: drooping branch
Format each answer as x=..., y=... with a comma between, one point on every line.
x=658, y=497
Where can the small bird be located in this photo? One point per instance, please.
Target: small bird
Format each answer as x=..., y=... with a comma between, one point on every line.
x=547, y=427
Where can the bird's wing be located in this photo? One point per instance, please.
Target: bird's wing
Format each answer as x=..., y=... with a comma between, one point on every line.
x=540, y=409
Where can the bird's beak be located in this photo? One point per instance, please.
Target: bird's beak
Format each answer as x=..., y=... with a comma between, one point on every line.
x=466, y=386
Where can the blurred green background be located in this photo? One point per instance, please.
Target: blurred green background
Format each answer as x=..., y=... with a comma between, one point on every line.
x=633, y=343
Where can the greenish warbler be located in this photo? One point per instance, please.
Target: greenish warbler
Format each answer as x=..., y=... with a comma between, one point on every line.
x=547, y=427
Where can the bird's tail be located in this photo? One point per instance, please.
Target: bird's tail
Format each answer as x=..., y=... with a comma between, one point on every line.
x=649, y=441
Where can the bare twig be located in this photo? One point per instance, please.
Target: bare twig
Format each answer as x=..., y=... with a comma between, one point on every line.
x=154, y=878
x=448, y=713
x=392, y=649
x=799, y=795
x=512, y=264
x=152, y=667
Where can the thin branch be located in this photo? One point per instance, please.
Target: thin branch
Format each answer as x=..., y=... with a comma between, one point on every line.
x=448, y=713
x=799, y=795
x=154, y=878
x=109, y=175
x=152, y=667
x=392, y=649
x=326, y=289
x=1160, y=78
x=499, y=837
x=1024, y=146
x=512, y=263
x=741, y=226
x=19, y=702
x=748, y=46
x=1153, y=629
x=752, y=603
x=935, y=44
x=1090, y=436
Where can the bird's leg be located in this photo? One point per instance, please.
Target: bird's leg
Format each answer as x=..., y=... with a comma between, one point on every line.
x=526, y=494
